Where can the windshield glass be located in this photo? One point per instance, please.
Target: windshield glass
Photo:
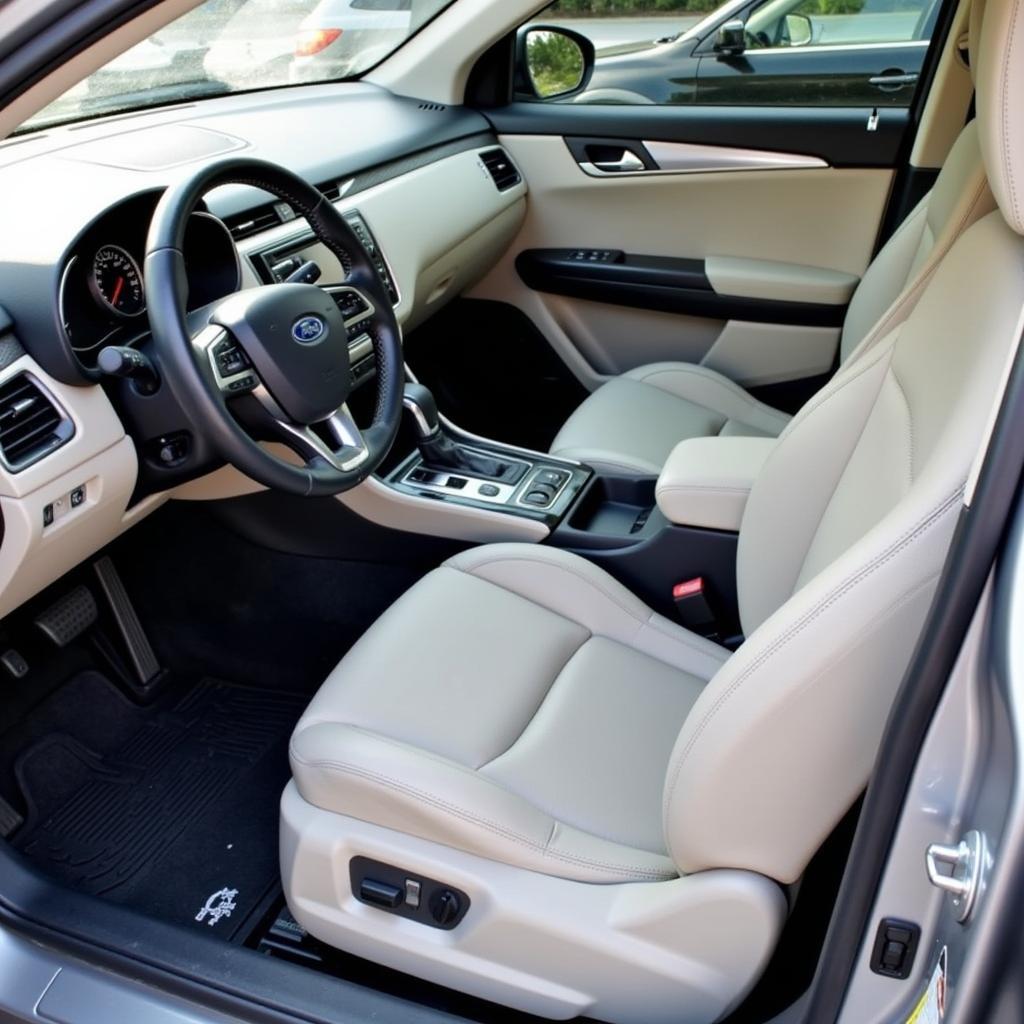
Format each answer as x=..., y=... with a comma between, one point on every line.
x=225, y=46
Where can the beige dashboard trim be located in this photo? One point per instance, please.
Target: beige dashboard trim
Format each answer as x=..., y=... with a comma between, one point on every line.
x=32, y=557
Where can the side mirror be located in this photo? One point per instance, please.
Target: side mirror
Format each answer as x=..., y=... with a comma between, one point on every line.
x=731, y=38
x=552, y=62
x=799, y=29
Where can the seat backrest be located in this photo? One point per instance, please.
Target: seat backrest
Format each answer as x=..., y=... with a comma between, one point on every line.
x=845, y=535
x=894, y=280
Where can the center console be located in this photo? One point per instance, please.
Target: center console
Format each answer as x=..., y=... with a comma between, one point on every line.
x=450, y=467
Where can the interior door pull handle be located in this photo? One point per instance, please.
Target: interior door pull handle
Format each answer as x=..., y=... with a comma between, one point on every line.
x=892, y=81
x=629, y=162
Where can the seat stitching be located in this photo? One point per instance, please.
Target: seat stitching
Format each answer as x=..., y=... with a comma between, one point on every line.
x=703, y=488
x=891, y=351
x=596, y=586
x=726, y=385
x=1007, y=162
x=911, y=293
x=821, y=397
x=536, y=711
x=908, y=538
x=583, y=456
x=485, y=823
x=910, y=418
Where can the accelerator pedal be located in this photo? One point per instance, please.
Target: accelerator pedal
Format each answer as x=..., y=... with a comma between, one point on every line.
x=144, y=661
x=70, y=617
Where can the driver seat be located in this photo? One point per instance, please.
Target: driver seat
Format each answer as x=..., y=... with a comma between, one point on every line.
x=525, y=785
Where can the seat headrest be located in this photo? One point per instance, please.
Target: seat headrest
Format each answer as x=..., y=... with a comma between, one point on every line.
x=999, y=81
x=974, y=36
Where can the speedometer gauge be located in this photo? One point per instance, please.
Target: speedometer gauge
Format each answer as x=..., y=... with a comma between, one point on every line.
x=116, y=282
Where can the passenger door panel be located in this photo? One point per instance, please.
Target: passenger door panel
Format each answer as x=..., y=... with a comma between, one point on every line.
x=805, y=194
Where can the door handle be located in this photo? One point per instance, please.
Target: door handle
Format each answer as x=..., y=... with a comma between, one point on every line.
x=892, y=83
x=629, y=163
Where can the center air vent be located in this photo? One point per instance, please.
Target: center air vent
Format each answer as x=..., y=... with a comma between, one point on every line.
x=501, y=169
x=31, y=423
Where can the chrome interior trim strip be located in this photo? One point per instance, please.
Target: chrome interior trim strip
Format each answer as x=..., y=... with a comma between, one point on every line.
x=694, y=158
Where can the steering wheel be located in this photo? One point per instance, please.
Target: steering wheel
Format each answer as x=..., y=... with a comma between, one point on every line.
x=272, y=362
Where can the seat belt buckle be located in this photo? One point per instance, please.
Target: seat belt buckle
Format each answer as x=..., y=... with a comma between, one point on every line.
x=694, y=607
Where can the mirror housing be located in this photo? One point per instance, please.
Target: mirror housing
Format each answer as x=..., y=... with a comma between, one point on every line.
x=799, y=29
x=731, y=38
x=552, y=62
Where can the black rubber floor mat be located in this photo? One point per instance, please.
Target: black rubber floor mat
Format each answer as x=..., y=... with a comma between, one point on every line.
x=181, y=821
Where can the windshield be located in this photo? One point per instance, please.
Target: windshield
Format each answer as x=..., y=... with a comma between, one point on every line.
x=226, y=46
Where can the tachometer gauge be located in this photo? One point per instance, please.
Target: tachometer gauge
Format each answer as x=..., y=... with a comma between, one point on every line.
x=116, y=282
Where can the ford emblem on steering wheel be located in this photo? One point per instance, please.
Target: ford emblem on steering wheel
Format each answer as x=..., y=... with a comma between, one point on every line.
x=309, y=330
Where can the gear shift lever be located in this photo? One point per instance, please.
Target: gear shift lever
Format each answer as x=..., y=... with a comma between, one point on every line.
x=439, y=451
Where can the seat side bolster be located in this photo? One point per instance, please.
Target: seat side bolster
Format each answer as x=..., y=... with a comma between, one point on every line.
x=714, y=391
x=363, y=775
x=574, y=588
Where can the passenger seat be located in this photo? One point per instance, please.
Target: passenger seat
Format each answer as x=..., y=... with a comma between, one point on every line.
x=630, y=425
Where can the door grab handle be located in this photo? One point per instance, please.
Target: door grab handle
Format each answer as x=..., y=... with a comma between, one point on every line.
x=630, y=162
x=893, y=81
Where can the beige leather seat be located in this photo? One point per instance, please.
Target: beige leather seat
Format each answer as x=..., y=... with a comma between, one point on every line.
x=622, y=802
x=631, y=423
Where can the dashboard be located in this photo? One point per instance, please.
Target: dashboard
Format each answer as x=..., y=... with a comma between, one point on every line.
x=77, y=202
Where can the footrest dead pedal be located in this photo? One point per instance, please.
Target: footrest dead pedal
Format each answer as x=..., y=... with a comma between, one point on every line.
x=70, y=617
x=144, y=661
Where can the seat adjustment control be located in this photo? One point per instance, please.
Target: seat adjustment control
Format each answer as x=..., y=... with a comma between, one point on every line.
x=445, y=906
x=380, y=894
x=397, y=891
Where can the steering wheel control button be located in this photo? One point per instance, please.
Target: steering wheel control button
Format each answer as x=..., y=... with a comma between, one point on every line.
x=394, y=890
x=380, y=894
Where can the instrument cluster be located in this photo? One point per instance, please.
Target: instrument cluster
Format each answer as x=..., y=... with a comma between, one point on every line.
x=103, y=288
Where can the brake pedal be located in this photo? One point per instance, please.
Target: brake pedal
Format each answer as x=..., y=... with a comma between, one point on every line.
x=70, y=617
x=140, y=650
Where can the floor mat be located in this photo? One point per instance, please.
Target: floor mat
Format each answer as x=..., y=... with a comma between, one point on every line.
x=179, y=821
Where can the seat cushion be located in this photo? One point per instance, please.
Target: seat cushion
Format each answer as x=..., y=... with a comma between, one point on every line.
x=631, y=424
x=527, y=714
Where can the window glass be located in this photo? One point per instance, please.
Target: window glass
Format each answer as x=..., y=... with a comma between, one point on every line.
x=777, y=52
x=226, y=46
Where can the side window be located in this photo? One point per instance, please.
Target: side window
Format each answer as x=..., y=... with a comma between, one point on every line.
x=840, y=53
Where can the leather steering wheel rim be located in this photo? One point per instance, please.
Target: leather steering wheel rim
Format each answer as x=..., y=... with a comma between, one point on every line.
x=194, y=380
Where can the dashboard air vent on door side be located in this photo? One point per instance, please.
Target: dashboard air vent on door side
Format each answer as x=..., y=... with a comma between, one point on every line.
x=31, y=423
x=502, y=170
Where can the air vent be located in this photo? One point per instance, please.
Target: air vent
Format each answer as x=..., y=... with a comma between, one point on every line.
x=436, y=107
x=31, y=423
x=500, y=167
x=253, y=223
